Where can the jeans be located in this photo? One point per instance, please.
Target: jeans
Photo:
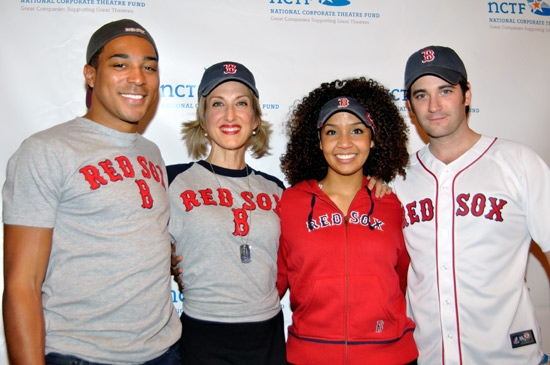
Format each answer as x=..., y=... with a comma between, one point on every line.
x=170, y=357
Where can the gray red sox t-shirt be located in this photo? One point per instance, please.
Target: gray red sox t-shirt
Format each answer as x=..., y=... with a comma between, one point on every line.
x=106, y=294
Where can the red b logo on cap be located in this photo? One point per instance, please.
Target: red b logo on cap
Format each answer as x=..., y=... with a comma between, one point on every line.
x=429, y=55
x=343, y=103
x=230, y=69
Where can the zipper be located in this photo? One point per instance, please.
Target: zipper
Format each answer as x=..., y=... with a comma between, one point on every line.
x=346, y=324
x=346, y=309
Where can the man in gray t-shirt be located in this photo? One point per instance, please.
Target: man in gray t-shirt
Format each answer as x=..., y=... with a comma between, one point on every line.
x=85, y=212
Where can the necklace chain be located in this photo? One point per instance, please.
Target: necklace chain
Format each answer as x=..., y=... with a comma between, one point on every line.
x=244, y=248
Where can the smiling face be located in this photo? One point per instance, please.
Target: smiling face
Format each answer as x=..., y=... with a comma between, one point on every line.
x=439, y=107
x=346, y=144
x=125, y=83
x=229, y=118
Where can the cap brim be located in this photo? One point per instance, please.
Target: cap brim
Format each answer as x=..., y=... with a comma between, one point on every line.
x=350, y=111
x=451, y=76
x=208, y=88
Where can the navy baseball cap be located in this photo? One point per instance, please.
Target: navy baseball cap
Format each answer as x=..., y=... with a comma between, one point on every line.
x=344, y=104
x=439, y=61
x=113, y=30
x=226, y=71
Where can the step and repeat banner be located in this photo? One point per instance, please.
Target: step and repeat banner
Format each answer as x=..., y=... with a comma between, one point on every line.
x=291, y=46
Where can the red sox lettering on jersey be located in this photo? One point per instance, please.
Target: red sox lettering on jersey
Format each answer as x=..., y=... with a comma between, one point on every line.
x=224, y=198
x=337, y=219
x=120, y=168
x=477, y=205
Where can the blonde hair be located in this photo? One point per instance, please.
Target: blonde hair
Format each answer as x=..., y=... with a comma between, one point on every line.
x=197, y=143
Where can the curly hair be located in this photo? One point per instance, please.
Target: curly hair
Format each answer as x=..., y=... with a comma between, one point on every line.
x=197, y=143
x=304, y=159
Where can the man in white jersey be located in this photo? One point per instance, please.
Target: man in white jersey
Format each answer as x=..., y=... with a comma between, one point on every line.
x=472, y=204
x=85, y=212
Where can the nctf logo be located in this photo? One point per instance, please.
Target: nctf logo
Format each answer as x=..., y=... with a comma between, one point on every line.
x=537, y=7
x=335, y=2
x=307, y=2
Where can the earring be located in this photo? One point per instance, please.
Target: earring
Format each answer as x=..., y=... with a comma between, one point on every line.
x=254, y=132
x=205, y=134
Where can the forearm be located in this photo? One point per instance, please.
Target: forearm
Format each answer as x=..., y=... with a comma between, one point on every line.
x=24, y=325
x=26, y=256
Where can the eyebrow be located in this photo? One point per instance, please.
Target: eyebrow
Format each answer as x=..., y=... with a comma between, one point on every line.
x=224, y=97
x=418, y=91
x=352, y=124
x=126, y=56
x=441, y=87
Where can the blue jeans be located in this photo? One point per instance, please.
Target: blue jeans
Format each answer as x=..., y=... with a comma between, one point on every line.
x=170, y=357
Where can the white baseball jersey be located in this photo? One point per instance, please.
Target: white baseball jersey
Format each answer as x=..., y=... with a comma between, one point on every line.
x=468, y=228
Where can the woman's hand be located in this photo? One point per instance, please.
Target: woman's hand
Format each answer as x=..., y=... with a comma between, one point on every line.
x=381, y=187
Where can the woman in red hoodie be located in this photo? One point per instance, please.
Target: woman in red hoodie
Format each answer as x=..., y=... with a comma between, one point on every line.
x=341, y=252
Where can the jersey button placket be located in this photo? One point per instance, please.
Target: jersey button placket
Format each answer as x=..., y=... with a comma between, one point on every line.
x=445, y=250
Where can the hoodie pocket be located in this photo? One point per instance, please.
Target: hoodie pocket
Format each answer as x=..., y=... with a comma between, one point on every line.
x=320, y=314
x=374, y=312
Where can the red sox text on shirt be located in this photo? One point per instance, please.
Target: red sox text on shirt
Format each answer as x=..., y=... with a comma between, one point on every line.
x=122, y=168
x=223, y=197
x=477, y=205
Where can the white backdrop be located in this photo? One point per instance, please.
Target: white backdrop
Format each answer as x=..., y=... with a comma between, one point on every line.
x=291, y=46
